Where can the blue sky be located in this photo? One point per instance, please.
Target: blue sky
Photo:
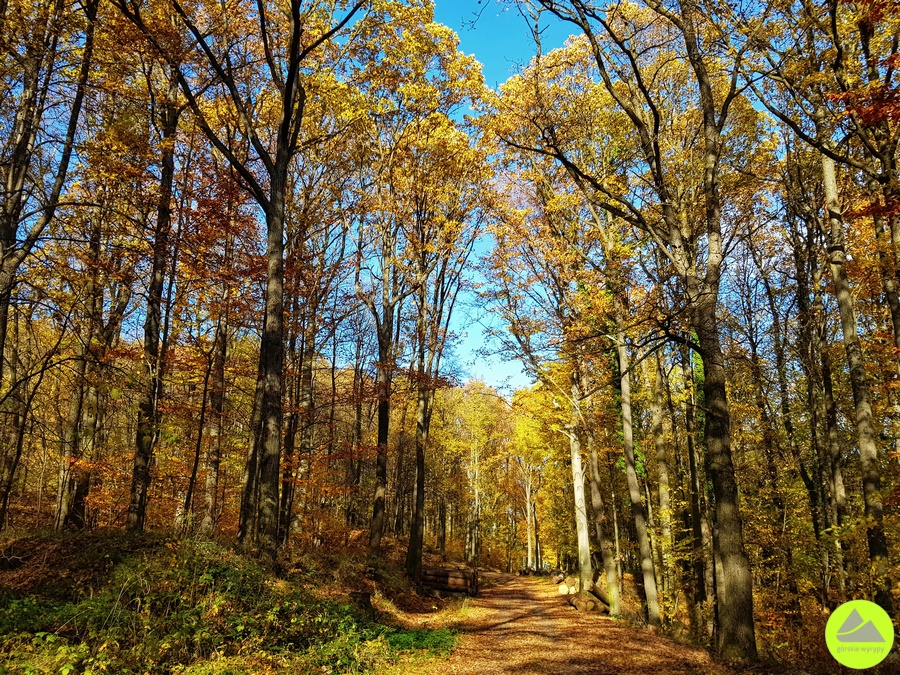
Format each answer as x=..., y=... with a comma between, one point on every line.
x=499, y=37
x=497, y=34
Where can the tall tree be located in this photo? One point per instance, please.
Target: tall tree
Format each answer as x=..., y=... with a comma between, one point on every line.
x=260, y=149
x=617, y=37
x=403, y=45
x=450, y=201
x=39, y=47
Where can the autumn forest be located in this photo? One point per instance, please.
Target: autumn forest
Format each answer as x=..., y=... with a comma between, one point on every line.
x=241, y=242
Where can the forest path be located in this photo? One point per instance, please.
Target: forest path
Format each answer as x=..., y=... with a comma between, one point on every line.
x=521, y=625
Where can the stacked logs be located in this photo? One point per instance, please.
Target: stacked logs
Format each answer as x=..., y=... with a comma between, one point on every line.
x=450, y=580
x=568, y=586
x=586, y=601
x=583, y=601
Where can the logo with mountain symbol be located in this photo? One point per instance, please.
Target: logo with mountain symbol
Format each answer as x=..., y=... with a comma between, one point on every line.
x=859, y=634
x=857, y=629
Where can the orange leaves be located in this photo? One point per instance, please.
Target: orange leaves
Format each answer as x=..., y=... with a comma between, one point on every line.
x=872, y=105
x=405, y=53
x=871, y=12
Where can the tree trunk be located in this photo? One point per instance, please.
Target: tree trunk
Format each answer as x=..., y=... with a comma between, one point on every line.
x=865, y=425
x=79, y=477
x=835, y=472
x=399, y=503
x=187, y=508
x=886, y=263
x=71, y=449
x=383, y=390
x=248, y=515
x=638, y=509
x=529, y=524
x=473, y=513
x=585, y=573
x=607, y=554
x=354, y=462
x=442, y=529
x=271, y=357
x=662, y=471
x=154, y=360
x=736, y=634
x=704, y=586
x=217, y=405
x=417, y=526
x=13, y=435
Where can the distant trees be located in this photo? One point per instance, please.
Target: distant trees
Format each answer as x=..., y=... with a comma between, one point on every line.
x=426, y=189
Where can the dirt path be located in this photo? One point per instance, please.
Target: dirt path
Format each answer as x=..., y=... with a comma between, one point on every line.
x=522, y=626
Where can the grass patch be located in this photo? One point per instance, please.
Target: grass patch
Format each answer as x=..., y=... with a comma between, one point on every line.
x=437, y=642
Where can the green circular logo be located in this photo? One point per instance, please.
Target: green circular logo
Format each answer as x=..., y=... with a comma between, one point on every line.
x=859, y=634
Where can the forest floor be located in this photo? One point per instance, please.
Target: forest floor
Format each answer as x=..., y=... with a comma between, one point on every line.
x=522, y=626
x=107, y=601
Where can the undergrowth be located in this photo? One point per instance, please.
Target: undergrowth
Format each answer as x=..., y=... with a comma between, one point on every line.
x=198, y=608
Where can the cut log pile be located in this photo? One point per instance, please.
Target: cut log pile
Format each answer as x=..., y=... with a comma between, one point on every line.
x=445, y=580
x=585, y=601
x=569, y=586
x=530, y=571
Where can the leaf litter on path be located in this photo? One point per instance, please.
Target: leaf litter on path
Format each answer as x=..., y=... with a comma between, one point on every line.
x=522, y=626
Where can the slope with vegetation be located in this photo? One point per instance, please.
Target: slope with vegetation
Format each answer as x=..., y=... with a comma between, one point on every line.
x=116, y=603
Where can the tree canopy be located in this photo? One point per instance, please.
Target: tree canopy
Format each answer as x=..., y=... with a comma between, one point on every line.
x=238, y=238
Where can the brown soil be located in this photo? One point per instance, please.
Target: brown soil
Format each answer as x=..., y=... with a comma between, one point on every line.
x=66, y=566
x=521, y=625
